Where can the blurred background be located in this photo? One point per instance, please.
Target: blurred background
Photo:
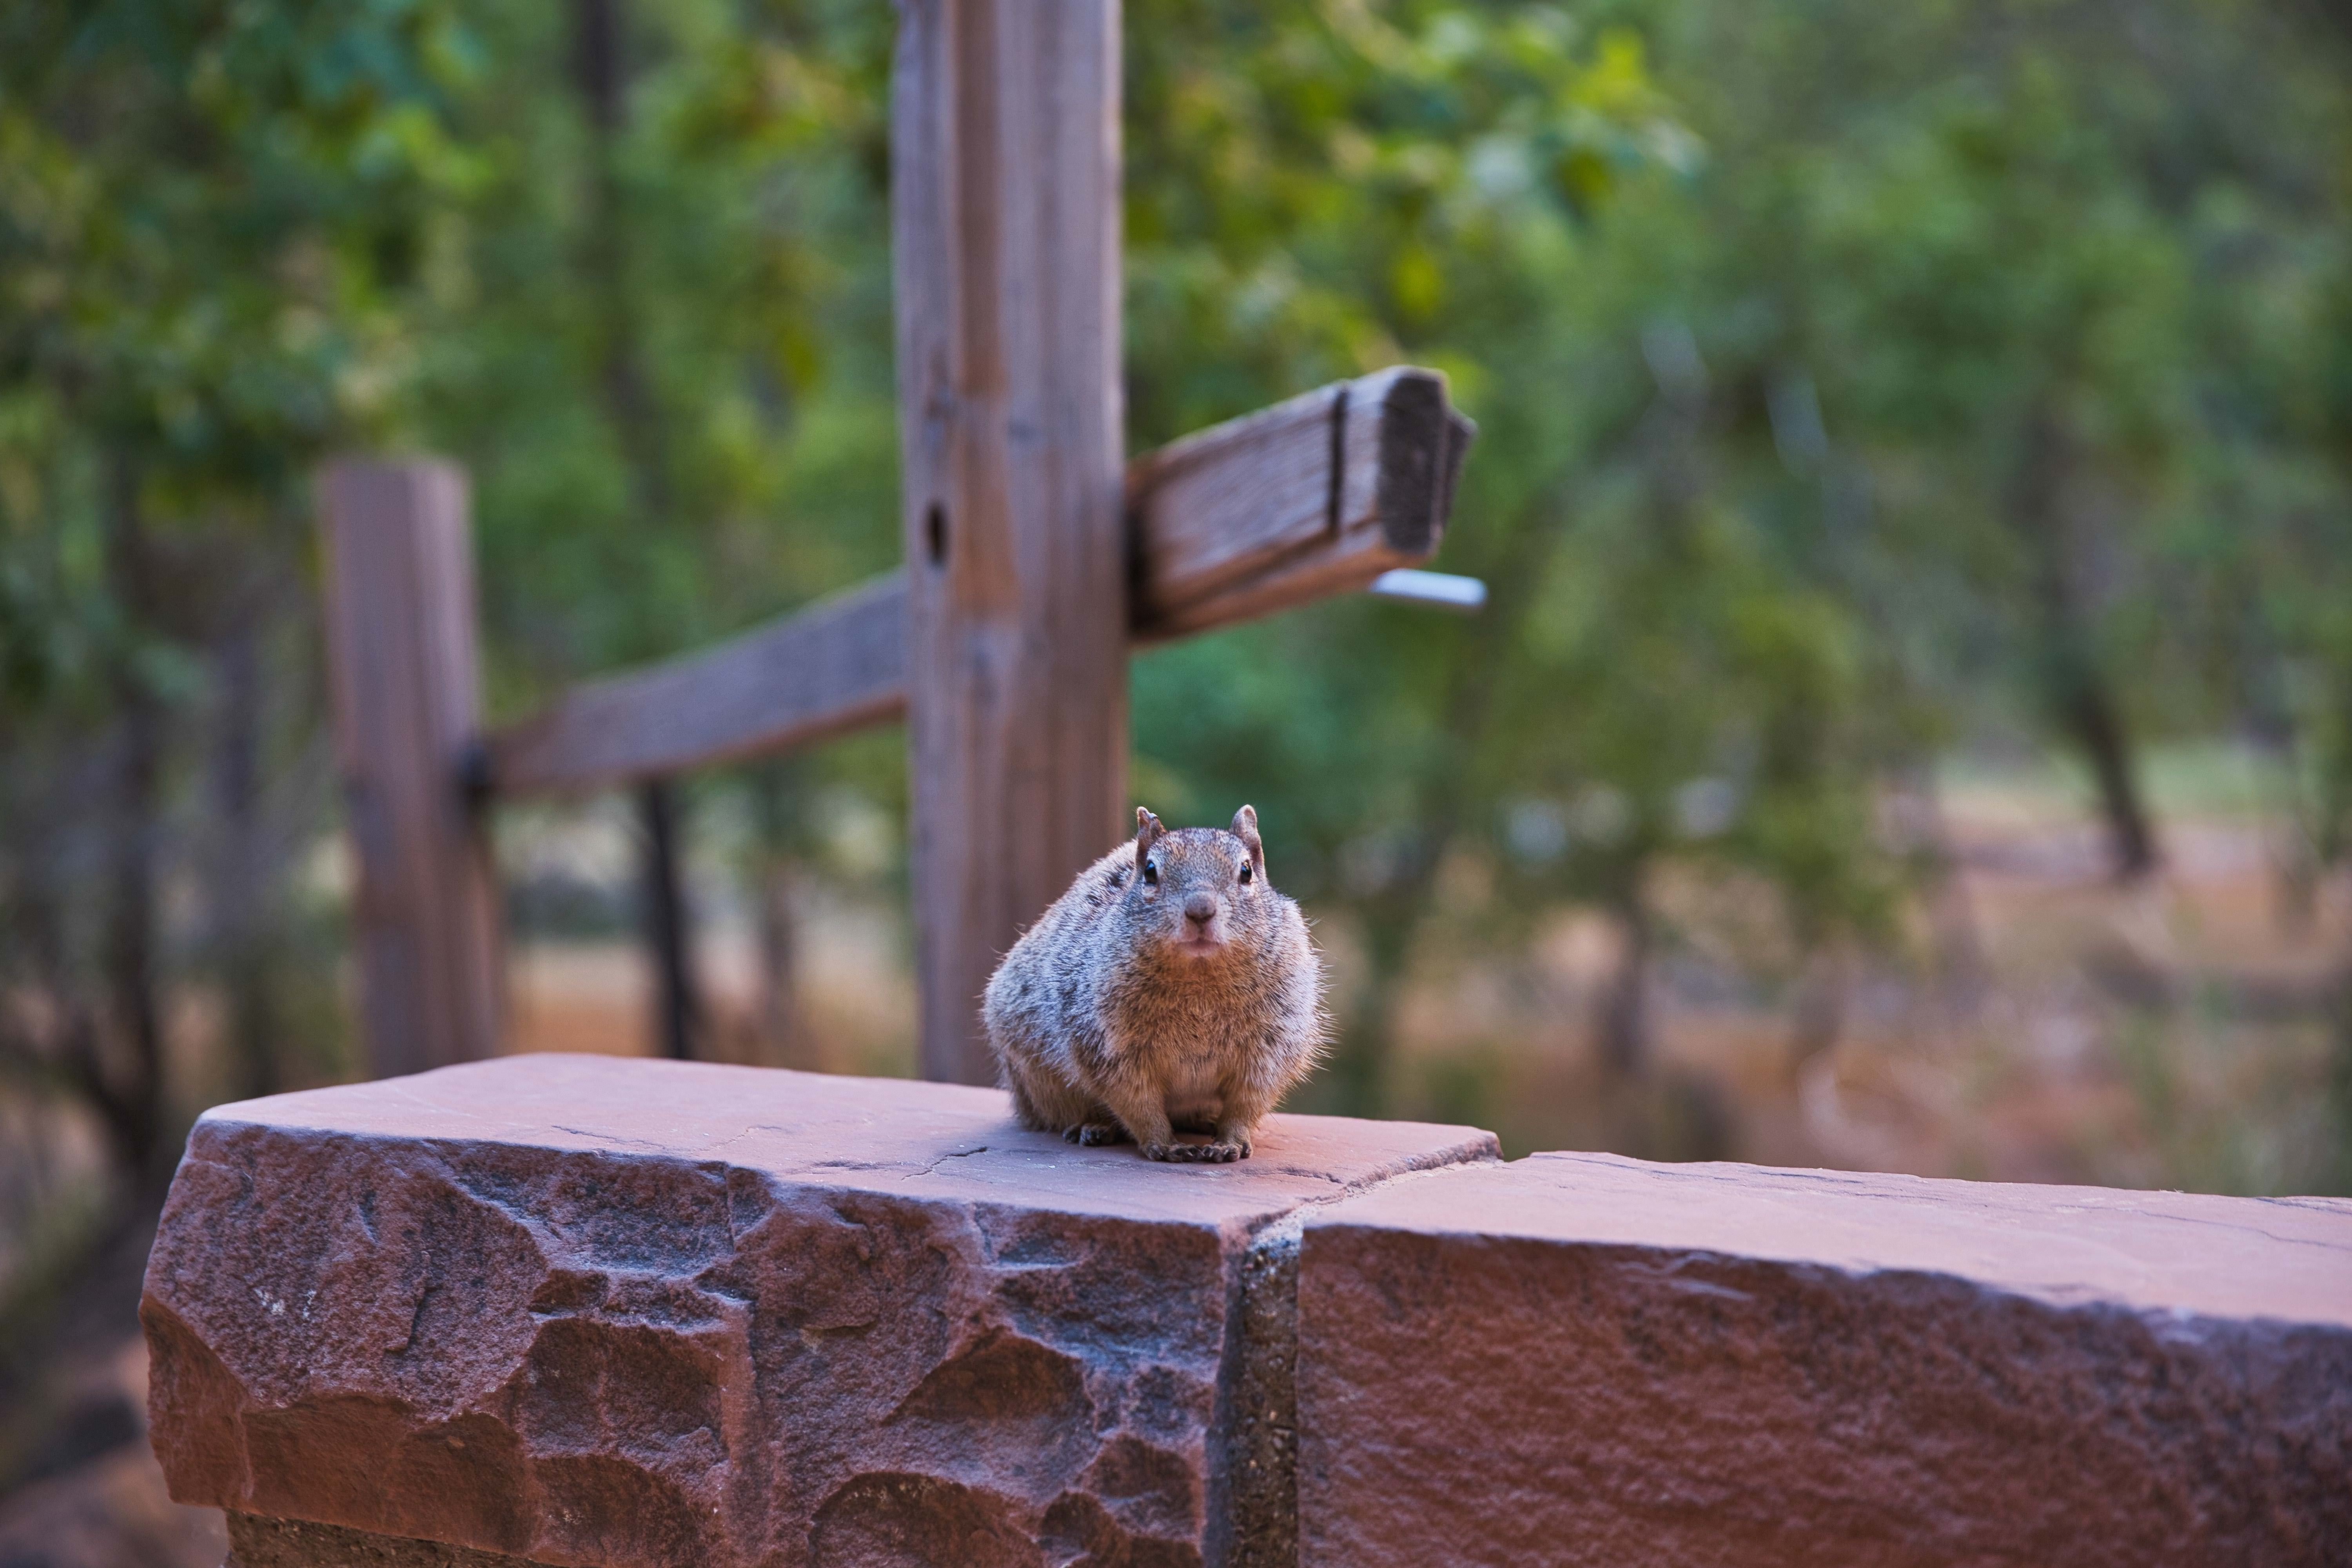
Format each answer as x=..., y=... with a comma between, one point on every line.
x=1911, y=730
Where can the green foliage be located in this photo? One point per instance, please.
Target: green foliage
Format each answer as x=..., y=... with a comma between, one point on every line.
x=1338, y=185
x=212, y=217
x=1930, y=371
x=721, y=252
x=212, y=224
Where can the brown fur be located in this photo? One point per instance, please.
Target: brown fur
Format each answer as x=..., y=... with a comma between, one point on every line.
x=1121, y=1015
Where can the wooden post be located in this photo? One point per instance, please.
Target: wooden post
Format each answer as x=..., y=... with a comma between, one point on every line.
x=1005, y=215
x=406, y=694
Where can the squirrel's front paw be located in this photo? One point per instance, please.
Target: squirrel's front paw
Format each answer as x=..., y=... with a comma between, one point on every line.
x=1208, y=1153
x=1091, y=1134
x=1166, y=1152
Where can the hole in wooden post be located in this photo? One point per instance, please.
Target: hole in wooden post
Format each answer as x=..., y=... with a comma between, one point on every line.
x=934, y=533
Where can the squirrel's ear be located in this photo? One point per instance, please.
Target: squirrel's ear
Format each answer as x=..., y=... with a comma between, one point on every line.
x=1147, y=834
x=1245, y=829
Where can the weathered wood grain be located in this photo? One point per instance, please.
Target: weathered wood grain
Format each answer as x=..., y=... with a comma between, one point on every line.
x=406, y=689
x=1208, y=511
x=1005, y=240
x=1391, y=455
x=834, y=667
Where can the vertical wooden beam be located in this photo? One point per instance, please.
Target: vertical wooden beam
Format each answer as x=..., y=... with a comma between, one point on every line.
x=406, y=695
x=1006, y=232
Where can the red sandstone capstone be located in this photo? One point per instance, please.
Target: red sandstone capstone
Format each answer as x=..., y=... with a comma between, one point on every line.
x=667, y=1315
x=1585, y=1360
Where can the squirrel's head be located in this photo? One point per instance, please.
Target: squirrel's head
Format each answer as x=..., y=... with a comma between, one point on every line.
x=1196, y=891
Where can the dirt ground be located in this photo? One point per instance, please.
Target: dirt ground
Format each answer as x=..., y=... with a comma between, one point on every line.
x=2042, y=1024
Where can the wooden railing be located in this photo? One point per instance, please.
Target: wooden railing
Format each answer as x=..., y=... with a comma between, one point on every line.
x=1323, y=494
x=1320, y=495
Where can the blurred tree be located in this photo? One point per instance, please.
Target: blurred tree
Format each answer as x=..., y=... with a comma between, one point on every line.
x=1952, y=328
x=211, y=219
x=208, y=216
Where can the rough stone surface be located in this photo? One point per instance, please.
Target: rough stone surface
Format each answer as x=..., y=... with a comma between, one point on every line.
x=255, y=1541
x=1580, y=1359
x=588, y=1311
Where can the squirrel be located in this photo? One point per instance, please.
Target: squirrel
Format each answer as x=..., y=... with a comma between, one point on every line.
x=1170, y=987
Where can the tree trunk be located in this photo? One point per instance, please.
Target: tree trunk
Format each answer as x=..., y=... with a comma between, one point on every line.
x=677, y=1006
x=1963, y=973
x=782, y=1032
x=778, y=795
x=72, y=1047
x=241, y=876
x=2090, y=713
x=2330, y=814
x=2076, y=689
x=1824, y=991
x=601, y=74
x=1622, y=1024
x=134, y=1111
x=1360, y=1062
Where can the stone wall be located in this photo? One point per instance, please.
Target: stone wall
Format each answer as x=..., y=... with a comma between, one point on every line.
x=573, y=1311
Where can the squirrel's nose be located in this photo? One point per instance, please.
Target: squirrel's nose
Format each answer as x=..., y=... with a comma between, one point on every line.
x=1200, y=908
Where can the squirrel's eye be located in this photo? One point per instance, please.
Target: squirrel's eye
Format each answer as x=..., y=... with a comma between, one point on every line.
x=1152, y=872
x=1245, y=870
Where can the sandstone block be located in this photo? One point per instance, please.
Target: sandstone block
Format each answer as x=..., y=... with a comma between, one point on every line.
x=579, y=1311
x=1581, y=1359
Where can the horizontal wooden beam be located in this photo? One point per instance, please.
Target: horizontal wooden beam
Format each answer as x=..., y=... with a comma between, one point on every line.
x=1313, y=497
x=839, y=665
